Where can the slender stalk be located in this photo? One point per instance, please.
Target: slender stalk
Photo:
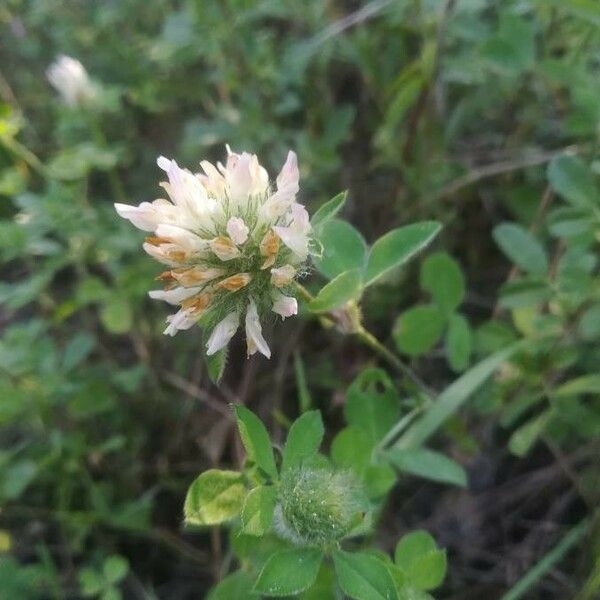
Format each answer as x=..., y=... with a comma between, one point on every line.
x=308, y=297
x=370, y=340
x=26, y=155
x=367, y=338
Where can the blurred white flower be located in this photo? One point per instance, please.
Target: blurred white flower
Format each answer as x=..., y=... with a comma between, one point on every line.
x=233, y=244
x=71, y=80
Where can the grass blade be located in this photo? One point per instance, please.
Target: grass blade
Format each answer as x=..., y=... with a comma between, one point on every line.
x=546, y=563
x=452, y=398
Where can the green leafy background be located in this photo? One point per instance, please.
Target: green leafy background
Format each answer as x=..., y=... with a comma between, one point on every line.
x=481, y=116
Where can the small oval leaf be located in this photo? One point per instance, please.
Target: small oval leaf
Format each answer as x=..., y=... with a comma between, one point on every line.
x=362, y=576
x=257, y=513
x=522, y=248
x=289, y=572
x=344, y=248
x=303, y=440
x=214, y=497
x=329, y=210
x=256, y=440
x=345, y=287
x=397, y=246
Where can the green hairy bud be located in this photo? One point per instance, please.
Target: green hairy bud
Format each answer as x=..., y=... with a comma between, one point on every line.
x=318, y=506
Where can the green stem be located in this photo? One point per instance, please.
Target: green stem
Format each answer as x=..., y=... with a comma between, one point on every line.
x=370, y=340
x=308, y=298
x=367, y=338
x=26, y=155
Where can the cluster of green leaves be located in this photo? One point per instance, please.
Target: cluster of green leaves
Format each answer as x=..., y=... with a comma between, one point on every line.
x=518, y=73
x=278, y=567
x=418, y=92
x=350, y=264
x=376, y=416
x=553, y=298
x=384, y=434
x=418, y=329
x=102, y=584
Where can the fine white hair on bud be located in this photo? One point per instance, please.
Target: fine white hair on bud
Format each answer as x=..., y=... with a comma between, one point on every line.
x=233, y=245
x=318, y=506
x=70, y=79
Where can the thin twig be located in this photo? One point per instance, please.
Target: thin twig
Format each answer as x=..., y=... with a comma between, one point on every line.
x=26, y=155
x=368, y=11
x=7, y=94
x=196, y=392
x=114, y=180
x=498, y=168
x=568, y=470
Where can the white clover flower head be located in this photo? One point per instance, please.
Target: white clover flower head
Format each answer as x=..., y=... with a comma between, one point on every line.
x=233, y=245
x=71, y=80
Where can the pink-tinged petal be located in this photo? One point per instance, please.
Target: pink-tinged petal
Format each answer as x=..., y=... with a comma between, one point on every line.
x=245, y=177
x=286, y=306
x=295, y=240
x=222, y=333
x=277, y=205
x=300, y=217
x=188, y=194
x=237, y=230
x=260, y=177
x=295, y=236
x=145, y=216
x=289, y=176
x=254, y=337
x=164, y=163
x=213, y=181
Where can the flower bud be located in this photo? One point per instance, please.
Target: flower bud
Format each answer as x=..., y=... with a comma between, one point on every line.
x=71, y=80
x=318, y=506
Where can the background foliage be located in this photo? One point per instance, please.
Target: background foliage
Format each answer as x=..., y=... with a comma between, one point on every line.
x=481, y=115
